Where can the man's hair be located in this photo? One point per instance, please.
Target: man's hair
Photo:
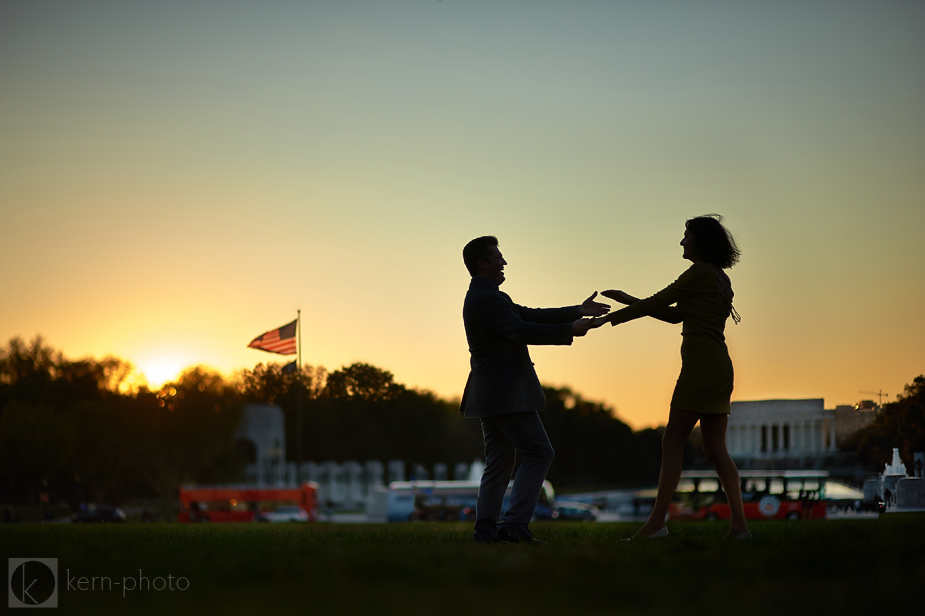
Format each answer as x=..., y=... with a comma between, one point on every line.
x=713, y=242
x=477, y=250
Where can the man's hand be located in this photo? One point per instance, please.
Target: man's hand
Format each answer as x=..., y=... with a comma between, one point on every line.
x=581, y=326
x=620, y=296
x=591, y=308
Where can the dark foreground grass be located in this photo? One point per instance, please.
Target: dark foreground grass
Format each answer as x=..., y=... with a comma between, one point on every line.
x=822, y=567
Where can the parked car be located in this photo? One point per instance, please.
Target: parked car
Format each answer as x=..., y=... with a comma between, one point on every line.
x=285, y=513
x=575, y=511
x=106, y=514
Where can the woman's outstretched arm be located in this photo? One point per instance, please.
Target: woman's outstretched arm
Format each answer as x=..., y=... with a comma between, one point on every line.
x=658, y=305
x=669, y=314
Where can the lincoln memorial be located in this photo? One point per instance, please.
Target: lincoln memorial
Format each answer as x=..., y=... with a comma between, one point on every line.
x=780, y=429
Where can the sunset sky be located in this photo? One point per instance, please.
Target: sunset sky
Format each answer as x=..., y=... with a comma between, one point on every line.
x=179, y=177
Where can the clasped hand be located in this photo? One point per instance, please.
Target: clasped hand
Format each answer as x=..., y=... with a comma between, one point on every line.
x=590, y=308
x=598, y=311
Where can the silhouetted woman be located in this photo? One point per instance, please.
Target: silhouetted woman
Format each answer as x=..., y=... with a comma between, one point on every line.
x=703, y=295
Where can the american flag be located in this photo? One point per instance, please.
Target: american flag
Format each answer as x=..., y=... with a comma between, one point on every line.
x=280, y=340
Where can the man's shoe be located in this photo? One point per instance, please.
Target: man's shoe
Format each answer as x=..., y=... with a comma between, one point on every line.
x=485, y=540
x=517, y=534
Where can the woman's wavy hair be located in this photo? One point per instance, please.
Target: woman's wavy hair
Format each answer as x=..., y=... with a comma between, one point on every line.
x=713, y=242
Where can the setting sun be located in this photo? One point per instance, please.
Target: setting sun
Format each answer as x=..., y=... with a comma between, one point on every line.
x=159, y=370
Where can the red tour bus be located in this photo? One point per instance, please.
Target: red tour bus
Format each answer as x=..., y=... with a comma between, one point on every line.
x=766, y=495
x=243, y=503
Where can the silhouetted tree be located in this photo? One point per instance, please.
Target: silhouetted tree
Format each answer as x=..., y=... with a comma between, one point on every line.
x=268, y=383
x=66, y=428
x=900, y=424
x=364, y=382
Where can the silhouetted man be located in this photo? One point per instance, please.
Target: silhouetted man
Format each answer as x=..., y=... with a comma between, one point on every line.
x=504, y=392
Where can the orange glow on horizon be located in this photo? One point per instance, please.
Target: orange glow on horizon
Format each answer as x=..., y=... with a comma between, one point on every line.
x=161, y=369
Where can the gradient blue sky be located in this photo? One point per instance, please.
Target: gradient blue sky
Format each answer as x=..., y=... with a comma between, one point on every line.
x=178, y=177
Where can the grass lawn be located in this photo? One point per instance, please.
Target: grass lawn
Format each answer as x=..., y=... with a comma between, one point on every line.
x=821, y=567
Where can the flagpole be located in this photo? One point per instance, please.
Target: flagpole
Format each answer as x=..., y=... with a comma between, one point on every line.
x=298, y=439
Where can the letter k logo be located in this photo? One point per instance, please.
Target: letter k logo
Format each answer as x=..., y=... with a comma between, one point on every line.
x=33, y=582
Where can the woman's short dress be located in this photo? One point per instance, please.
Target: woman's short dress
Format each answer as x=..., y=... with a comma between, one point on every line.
x=703, y=295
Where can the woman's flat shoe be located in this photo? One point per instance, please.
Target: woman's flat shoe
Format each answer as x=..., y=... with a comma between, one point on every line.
x=742, y=536
x=662, y=532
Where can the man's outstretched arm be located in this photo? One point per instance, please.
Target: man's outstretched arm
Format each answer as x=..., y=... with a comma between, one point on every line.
x=505, y=321
x=588, y=308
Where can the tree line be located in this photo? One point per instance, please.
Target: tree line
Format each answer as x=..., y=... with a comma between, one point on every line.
x=79, y=431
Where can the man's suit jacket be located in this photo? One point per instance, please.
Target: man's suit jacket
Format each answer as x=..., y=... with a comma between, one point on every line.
x=502, y=379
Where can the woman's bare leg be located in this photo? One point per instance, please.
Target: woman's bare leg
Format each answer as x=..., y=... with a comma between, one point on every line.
x=680, y=424
x=713, y=428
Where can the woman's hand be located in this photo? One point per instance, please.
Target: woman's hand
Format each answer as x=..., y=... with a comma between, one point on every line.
x=620, y=297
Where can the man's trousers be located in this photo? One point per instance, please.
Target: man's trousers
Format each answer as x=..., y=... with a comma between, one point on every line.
x=503, y=435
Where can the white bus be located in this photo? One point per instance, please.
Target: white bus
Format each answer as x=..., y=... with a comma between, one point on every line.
x=408, y=501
